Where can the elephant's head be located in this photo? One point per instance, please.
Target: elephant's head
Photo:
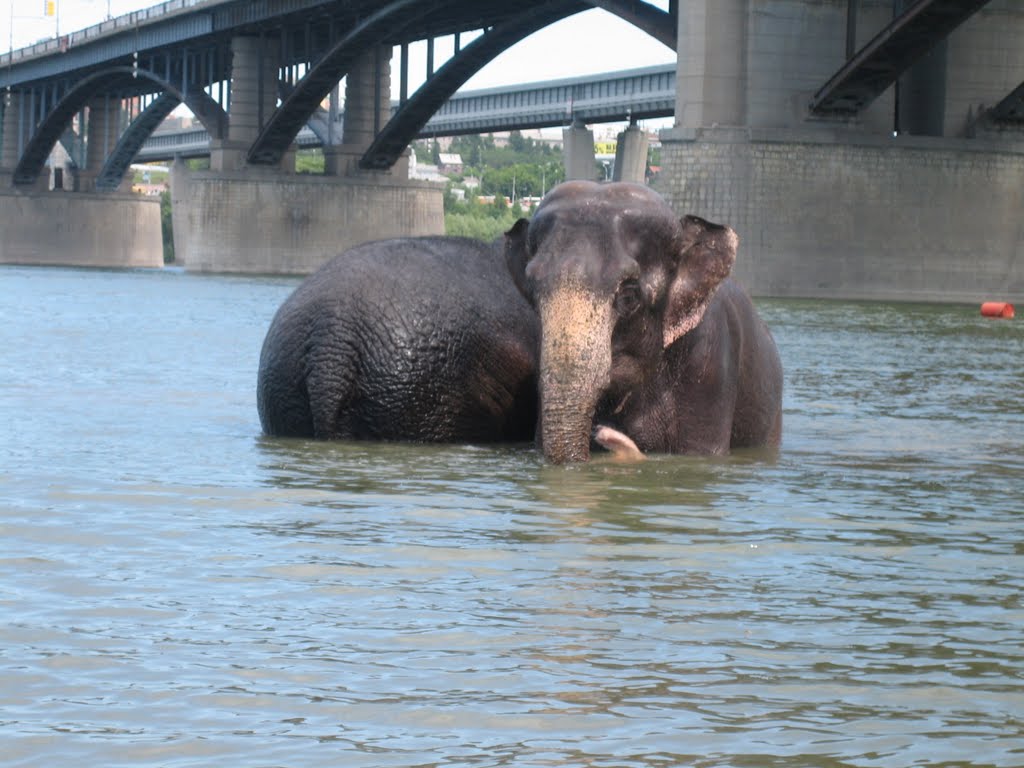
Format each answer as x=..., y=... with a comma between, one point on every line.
x=616, y=278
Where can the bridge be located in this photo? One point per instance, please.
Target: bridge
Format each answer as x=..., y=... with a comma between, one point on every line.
x=637, y=94
x=880, y=92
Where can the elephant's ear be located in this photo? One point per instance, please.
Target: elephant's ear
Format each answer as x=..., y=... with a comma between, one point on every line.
x=517, y=255
x=707, y=253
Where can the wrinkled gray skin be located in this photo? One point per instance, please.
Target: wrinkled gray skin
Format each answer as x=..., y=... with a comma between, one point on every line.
x=645, y=340
x=419, y=339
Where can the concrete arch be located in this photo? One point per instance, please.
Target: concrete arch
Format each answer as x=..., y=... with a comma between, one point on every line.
x=391, y=142
x=209, y=112
x=295, y=111
x=659, y=24
x=49, y=132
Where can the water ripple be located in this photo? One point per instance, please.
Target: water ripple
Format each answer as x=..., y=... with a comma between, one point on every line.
x=179, y=591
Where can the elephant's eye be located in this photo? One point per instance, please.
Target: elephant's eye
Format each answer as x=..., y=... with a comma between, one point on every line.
x=628, y=299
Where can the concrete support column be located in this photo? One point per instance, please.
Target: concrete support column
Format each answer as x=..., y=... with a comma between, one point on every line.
x=367, y=110
x=631, y=156
x=367, y=97
x=254, y=73
x=578, y=152
x=711, y=79
x=922, y=95
x=254, y=66
x=102, y=131
x=9, y=149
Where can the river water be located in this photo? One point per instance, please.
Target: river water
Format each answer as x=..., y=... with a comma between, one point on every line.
x=177, y=590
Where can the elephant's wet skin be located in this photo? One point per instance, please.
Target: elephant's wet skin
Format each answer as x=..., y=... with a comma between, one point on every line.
x=419, y=339
x=604, y=317
x=643, y=333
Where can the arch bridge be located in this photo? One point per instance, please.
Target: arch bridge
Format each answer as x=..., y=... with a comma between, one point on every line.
x=766, y=91
x=255, y=74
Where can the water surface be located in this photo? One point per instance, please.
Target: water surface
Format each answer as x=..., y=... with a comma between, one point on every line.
x=177, y=590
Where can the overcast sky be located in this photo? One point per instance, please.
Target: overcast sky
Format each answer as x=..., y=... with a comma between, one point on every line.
x=589, y=42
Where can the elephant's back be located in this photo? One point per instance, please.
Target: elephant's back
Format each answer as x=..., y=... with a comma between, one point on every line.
x=382, y=339
x=415, y=290
x=391, y=271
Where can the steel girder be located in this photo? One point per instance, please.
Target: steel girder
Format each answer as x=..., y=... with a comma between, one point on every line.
x=112, y=80
x=414, y=113
x=309, y=31
x=389, y=24
x=209, y=112
x=49, y=131
x=392, y=140
x=295, y=110
x=1011, y=108
x=889, y=54
x=659, y=24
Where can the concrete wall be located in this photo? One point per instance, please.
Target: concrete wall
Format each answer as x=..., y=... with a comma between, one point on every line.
x=80, y=229
x=711, y=78
x=843, y=209
x=264, y=222
x=757, y=63
x=909, y=219
x=794, y=47
x=984, y=62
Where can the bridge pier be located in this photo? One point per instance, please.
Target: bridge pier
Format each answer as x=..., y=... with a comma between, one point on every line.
x=367, y=110
x=631, y=156
x=102, y=131
x=843, y=209
x=10, y=148
x=242, y=218
x=254, y=65
x=578, y=152
x=921, y=108
x=260, y=221
x=858, y=217
x=82, y=228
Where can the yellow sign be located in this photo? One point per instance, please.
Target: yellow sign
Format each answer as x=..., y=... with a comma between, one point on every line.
x=604, y=147
x=50, y=7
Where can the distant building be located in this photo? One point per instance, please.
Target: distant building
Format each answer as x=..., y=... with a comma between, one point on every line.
x=425, y=171
x=174, y=123
x=149, y=190
x=451, y=163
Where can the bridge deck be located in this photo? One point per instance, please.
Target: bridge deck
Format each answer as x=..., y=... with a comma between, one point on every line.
x=643, y=93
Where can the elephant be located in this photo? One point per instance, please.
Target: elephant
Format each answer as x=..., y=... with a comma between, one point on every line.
x=646, y=342
x=605, y=318
x=415, y=339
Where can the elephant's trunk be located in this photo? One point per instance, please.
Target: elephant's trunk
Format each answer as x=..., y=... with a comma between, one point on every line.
x=575, y=364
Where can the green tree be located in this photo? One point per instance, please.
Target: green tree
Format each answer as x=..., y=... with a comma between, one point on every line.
x=423, y=152
x=167, y=226
x=309, y=161
x=480, y=228
x=518, y=143
x=473, y=148
x=522, y=168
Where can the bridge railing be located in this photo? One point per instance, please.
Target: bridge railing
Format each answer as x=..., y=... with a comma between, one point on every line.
x=104, y=28
x=195, y=142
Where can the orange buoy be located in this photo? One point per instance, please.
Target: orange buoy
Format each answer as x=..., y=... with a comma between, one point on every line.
x=997, y=309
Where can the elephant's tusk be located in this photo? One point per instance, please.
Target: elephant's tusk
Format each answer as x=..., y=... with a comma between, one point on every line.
x=621, y=446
